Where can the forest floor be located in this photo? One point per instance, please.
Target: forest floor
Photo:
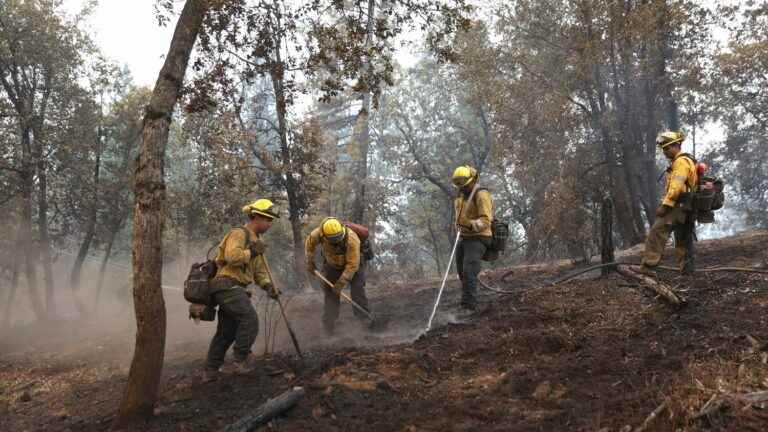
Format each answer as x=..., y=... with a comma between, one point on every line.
x=592, y=354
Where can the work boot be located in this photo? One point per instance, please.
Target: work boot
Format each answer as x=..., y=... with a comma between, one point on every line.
x=330, y=327
x=468, y=306
x=647, y=270
x=210, y=375
x=242, y=366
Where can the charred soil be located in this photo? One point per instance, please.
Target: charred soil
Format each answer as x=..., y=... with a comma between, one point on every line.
x=590, y=354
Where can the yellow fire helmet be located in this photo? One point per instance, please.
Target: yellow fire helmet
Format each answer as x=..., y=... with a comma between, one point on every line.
x=463, y=176
x=263, y=207
x=667, y=138
x=333, y=230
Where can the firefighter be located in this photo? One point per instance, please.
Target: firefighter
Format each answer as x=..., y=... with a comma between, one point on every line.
x=342, y=266
x=473, y=220
x=240, y=263
x=674, y=215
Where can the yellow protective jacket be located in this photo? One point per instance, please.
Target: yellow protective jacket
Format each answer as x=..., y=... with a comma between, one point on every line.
x=681, y=177
x=479, y=209
x=346, y=256
x=238, y=262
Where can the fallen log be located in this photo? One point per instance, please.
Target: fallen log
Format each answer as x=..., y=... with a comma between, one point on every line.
x=267, y=411
x=657, y=287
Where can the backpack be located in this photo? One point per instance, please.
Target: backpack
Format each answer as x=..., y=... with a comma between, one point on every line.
x=708, y=197
x=197, y=286
x=363, y=233
x=499, y=235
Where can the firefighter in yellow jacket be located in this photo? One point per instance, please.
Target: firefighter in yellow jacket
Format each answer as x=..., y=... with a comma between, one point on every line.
x=240, y=261
x=674, y=215
x=342, y=266
x=473, y=220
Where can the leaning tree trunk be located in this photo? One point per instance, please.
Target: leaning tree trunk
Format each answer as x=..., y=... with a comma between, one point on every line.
x=90, y=232
x=149, y=187
x=103, y=268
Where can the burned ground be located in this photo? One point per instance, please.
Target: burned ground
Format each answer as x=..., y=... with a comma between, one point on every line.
x=590, y=354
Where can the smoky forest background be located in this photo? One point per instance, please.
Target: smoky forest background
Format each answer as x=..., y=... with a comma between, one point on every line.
x=361, y=109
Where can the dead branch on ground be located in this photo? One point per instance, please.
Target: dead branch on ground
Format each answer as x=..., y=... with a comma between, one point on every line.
x=267, y=411
x=651, y=417
x=657, y=287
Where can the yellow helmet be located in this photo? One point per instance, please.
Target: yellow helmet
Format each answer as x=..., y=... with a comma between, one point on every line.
x=263, y=207
x=463, y=176
x=667, y=138
x=333, y=230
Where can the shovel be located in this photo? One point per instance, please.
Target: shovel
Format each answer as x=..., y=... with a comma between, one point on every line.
x=375, y=324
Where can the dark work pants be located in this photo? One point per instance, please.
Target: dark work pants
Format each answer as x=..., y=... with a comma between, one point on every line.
x=238, y=323
x=332, y=301
x=682, y=225
x=469, y=254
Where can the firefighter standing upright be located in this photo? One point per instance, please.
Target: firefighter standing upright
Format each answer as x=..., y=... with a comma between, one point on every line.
x=343, y=264
x=473, y=220
x=674, y=214
x=241, y=262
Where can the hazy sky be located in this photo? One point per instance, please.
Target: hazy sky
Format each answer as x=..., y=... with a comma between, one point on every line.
x=127, y=32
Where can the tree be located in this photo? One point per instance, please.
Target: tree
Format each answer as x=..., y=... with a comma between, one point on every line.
x=591, y=76
x=40, y=57
x=149, y=188
x=740, y=87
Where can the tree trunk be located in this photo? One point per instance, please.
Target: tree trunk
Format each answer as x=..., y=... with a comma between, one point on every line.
x=103, y=268
x=362, y=136
x=291, y=185
x=25, y=242
x=42, y=222
x=606, y=244
x=11, y=292
x=435, y=247
x=90, y=231
x=149, y=187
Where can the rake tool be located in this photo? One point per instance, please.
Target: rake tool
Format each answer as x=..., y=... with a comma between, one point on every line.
x=375, y=324
x=282, y=312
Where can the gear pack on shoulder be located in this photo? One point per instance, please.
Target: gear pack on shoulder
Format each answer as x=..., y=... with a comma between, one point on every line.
x=499, y=235
x=197, y=286
x=708, y=196
x=363, y=233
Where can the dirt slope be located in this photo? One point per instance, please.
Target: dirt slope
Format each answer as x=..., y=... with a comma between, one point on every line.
x=592, y=354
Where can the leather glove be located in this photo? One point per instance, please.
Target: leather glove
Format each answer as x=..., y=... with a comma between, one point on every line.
x=257, y=248
x=662, y=211
x=478, y=225
x=338, y=286
x=271, y=290
x=311, y=268
x=251, y=291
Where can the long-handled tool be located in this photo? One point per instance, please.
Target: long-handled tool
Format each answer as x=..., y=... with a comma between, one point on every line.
x=448, y=268
x=375, y=324
x=282, y=312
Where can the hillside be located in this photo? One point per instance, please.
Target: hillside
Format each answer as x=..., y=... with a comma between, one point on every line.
x=587, y=355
